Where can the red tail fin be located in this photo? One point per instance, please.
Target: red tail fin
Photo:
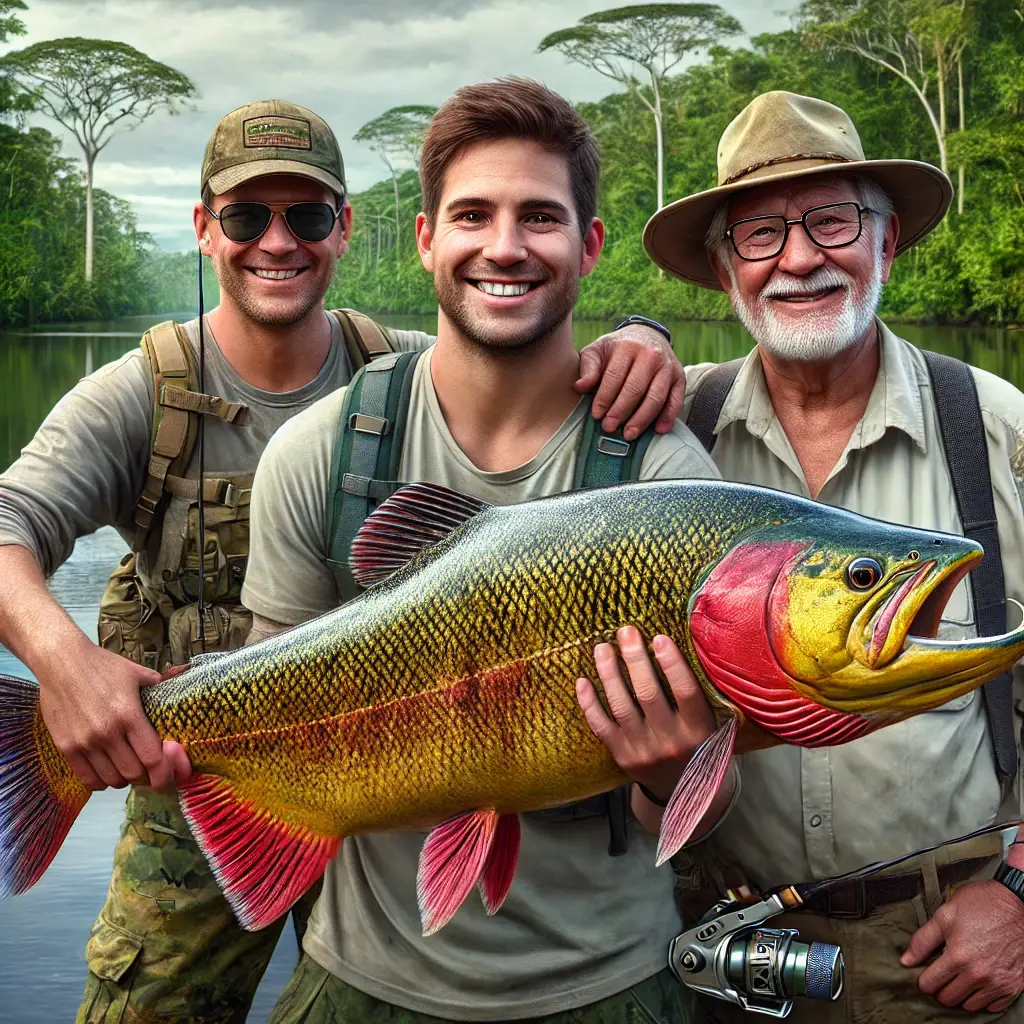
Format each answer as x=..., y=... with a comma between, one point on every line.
x=40, y=795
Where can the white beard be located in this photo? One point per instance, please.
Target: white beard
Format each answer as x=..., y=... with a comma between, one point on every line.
x=816, y=336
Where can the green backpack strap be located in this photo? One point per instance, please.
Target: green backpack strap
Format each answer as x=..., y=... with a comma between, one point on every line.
x=601, y=461
x=606, y=459
x=367, y=454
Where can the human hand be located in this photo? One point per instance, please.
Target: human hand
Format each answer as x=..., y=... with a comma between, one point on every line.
x=90, y=704
x=982, y=966
x=638, y=373
x=651, y=741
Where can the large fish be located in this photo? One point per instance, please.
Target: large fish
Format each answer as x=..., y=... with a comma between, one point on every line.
x=445, y=693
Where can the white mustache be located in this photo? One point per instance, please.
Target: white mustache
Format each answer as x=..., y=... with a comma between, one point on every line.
x=818, y=280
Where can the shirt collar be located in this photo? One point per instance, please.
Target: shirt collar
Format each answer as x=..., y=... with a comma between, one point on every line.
x=895, y=398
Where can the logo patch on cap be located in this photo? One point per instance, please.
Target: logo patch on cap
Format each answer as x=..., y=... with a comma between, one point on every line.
x=278, y=131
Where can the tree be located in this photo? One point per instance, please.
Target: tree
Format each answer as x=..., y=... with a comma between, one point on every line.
x=96, y=88
x=654, y=37
x=919, y=41
x=395, y=134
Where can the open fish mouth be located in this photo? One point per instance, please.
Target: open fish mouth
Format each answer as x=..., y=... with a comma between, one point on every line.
x=898, y=665
x=910, y=605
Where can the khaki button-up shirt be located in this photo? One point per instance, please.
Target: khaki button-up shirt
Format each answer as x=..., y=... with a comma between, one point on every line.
x=810, y=813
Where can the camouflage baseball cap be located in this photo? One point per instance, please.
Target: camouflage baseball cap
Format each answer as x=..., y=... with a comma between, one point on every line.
x=271, y=137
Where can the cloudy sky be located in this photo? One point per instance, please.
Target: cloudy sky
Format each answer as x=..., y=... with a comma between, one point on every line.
x=349, y=60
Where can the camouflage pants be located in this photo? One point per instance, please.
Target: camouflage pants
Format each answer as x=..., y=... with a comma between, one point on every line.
x=166, y=946
x=315, y=996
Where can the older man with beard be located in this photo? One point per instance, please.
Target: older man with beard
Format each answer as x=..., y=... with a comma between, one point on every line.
x=802, y=232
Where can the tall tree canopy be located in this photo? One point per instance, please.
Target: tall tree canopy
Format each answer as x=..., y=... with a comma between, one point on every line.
x=96, y=88
x=394, y=135
x=652, y=37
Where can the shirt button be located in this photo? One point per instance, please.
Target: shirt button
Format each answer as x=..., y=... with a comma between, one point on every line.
x=815, y=821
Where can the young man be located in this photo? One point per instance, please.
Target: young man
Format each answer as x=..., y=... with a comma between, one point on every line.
x=273, y=220
x=510, y=182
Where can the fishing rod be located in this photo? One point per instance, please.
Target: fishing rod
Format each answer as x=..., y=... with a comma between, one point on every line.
x=201, y=539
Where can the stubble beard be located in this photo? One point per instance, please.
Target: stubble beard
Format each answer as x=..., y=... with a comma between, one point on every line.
x=233, y=282
x=511, y=335
x=814, y=336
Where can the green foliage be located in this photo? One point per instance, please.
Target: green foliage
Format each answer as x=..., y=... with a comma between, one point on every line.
x=42, y=222
x=970, y=270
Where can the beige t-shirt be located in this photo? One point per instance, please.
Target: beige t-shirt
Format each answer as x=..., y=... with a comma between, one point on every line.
x=578, y=925
x=808, y=813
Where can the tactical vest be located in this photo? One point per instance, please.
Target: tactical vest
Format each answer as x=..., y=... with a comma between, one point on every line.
x=149, y=610
x=963, y=440
x=364, y=472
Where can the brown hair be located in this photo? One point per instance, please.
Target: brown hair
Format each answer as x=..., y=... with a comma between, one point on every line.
x=511, y=108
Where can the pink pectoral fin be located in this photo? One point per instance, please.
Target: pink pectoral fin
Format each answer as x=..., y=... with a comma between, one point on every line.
x=695, y=790
x=452, y=861
x=501, y=864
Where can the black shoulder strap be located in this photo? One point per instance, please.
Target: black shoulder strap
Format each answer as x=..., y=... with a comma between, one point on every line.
x=366, y=456
x=707, y=404
x=963, y=437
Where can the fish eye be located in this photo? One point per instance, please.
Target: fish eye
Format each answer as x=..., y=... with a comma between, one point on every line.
x=863, y=573
x=914, y=555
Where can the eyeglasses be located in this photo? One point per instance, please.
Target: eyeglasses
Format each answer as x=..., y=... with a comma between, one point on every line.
x=245, y=222
x=829, y=227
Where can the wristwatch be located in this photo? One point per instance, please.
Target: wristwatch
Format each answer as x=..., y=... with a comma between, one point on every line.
x=645, y=322
x=1012, y=878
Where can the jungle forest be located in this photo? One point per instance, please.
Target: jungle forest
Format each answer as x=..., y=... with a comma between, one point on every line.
x=934, y=80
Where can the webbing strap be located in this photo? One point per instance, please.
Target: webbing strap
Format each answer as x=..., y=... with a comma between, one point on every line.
x=963, y=438
x=173, y=397
x=364, y=339
x=606, y=459
x=218, y=490
x=165, y=347
x=708, y=402
x=367, y=452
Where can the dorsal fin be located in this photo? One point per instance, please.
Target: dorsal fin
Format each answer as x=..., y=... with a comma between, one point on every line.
x=413, y=519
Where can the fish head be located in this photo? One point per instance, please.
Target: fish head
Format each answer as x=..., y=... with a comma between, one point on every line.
x=825, y=628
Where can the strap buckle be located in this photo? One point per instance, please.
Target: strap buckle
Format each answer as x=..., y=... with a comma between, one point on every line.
x=369, y=424
x=613, y=446
x=834, y=907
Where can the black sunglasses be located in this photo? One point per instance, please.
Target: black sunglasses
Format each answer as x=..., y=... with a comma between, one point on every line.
x=245, y=222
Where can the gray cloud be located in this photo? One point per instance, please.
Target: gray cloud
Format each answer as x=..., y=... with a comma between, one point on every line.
x=349, y=61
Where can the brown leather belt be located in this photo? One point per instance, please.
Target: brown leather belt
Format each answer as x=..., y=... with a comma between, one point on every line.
x=859, y=896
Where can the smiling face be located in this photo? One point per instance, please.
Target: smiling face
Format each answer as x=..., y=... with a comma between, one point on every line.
x=277, y=279
x=506, y=249
x=808, y=303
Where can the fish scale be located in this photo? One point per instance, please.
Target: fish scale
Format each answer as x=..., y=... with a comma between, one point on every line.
x=446, y=693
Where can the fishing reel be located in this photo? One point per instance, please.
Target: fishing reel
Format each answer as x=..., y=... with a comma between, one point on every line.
x=730, y=956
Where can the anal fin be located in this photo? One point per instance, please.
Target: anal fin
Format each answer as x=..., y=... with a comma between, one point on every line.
x=479, y=846
x=696, y=789
x=262, y=863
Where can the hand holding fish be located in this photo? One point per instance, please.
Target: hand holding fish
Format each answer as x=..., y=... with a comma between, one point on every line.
x=982, y=965
x=651, y=741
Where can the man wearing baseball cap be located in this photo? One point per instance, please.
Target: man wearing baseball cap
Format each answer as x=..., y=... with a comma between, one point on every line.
x=121, y=449
x=801, y=231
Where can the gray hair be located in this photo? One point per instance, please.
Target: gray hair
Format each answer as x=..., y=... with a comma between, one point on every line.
x=872, y=197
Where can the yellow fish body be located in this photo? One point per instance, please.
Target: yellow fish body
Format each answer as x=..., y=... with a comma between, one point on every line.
x=446, y=693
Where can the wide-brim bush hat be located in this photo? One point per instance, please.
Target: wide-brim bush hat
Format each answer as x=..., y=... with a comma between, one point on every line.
x=777, y=137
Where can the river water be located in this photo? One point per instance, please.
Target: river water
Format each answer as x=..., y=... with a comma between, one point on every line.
x=43, y=933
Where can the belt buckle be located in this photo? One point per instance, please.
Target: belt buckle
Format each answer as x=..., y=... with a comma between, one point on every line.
x=860, y=901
